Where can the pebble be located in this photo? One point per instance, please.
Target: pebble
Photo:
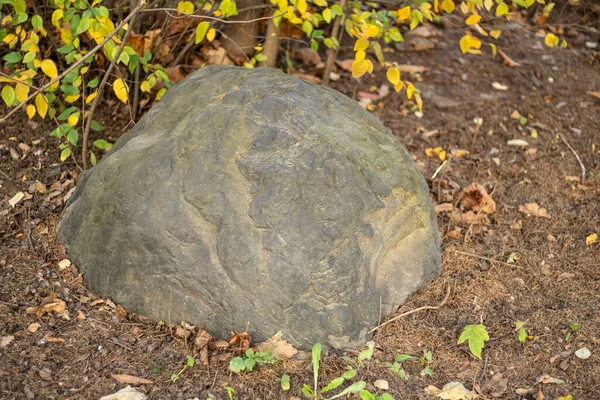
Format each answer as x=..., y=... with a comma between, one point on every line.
x=584, y=353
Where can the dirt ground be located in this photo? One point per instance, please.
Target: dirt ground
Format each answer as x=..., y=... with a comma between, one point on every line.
x=552, y=279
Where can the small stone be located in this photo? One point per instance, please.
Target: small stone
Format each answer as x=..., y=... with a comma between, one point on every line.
x=584, y=353
x=381, y=384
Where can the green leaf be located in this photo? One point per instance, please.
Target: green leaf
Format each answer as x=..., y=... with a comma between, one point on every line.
x=403, y=357
x=307, y=27
x=60, y=131
x=66, y=49
x=103, y=145
x=19, y=19
x=190, y=361
x=83, y=26
x=260, y=57
x=96, y=127
x=333, y=384
x=93, y=83
x=574, y=326
x=367, y=354
x=237, y=364
x=37, y=22
x=162, y=76
x=316, y=358
x=250, y=353
x=249, y=364
x=366, y=395
x=73, y=136
x=427, y=371
x=395, y=35
x=351, y=373
x=29, y=57
x=13, y=57
x=285, y=382
x=522, y=335
x=386, y=396
x=8, y=95
x=307, y=391
x=354, y=388
x=19, y=5
x=228, y=8
x=314, y=45
x=93, y=159
x=476, y=335
x=65, y=154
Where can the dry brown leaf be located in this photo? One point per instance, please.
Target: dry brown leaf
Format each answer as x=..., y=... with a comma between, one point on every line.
x=202, y=338
x=346, y=65
x=121, y=313
x=241, y=339
x=182, y=332
x=219, y=57
x=130, y=379
x=127, y=393
x=174, y=73
x=454, y=234
x=469, y=218
x=278, y=345
x=595, y=94
x=308, y=56
x=51, y=339
x=6, y=340
x=411, y=69
x=535, y=210
x=81, y=316
x=444, y=207
x=496, y=386
x=476, y=198
x=40, y=187
x=539, y=395
x=565, y=276
x=219, y=345
x=32, y=328
x=452, y=391
x=548, y=379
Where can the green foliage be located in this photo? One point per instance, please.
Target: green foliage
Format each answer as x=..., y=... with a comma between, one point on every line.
x=397, y=368
x=285, y=382
x=476, y=335
x=252, y=359
x=189, y=365
x=574, y=327
x=230, y=392
x=426, y=359
x=522, y=332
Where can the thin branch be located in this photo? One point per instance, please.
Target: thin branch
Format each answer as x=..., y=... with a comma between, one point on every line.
x=487, y=259
x=88, y=122
x=332, y=53
x=223, y=21
x=576, y=156
x=397, y=317
x=76, y=64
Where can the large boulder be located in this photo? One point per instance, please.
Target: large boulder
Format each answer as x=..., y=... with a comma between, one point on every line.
x=249, y=196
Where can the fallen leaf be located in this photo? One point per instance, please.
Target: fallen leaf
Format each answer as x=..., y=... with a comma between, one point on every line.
x=570, y=178
x=278, y=345
x=32, y=328
x=507, y=60
x=535, y=210
x=524, y=391
x=381, y=384
x=63, y=264
x=130, y=379
x=476, y=198
x=40, y=187
x=517, y=143
x=16, y=199
x=5, y=340
x=174, y=73
x=202, y=338
x=591, y=239
x=499, y=86
x=308, y=56
x=51, y=339
x=548, y=379
x=496, y=386
x=81, y=316
x=411, y=69
x=454, y=234
x=127, y=393
x=346, y=65
x=594, y=94
x=243, y=339
x=444, y=207
x=469, y=218
x=219, y=345
x=565, y=276
x=452, y=391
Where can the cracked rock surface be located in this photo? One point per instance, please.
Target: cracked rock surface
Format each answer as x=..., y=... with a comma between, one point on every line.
x=252, y=196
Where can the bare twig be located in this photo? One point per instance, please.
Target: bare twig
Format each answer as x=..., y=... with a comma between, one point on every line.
x=332, y=53
x=206, y=17
x=397, y=317
x=88, y=123
x=487, y=259
x=76, y=64
x=576, y=156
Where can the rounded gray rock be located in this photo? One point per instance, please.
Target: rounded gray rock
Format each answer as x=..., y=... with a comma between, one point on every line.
x=249, y=196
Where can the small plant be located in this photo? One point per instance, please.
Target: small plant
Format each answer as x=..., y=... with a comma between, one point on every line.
x=522, y=331
x=251, y=360
x=315, y=393
x=397, y=368
x=285, y=382
x=230, y=392
x=189, y=364
x=366, y=395
x=574, y=327
x=425, y=361
x=476, y=335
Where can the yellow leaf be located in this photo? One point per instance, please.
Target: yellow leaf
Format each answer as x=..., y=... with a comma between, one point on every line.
x=371, y=31
x=448, y=6
x=399, y=86
x=10, y=39
x=591, y=239
x=121, y=90
x=404, y=13
x=468, y=42
x=494, y=50
x=360, y=55
x=211, y=34
x=551, y=40
x=145, y=87
x=361, y=44
x=359, y=68
x=201, y=30
x=473, y=19
x=21, y=92
x=327, y=15
x=41, y=104
x=91, y=97
x=49, y=68
x=57, y=16
x=393, y=75
x=321, y=3
x=186, y=7
x=488, y=4
x=302, y=7
x=495, y=33
x=369, y=66
x=73, y=119
x=465, y=43
x=30, y=111
x=442, y=156
x=72, y=98
x=501, y=10
x=410, y=90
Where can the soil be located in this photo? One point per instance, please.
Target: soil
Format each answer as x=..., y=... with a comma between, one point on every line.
x=513, y=267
